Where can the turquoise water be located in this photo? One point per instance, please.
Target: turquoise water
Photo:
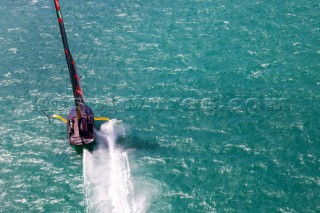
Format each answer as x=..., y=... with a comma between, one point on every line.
x=219, y=101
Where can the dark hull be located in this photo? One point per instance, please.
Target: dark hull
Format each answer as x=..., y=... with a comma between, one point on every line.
x=81, y=131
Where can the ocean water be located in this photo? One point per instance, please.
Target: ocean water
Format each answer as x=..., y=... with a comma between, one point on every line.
x=219, y=103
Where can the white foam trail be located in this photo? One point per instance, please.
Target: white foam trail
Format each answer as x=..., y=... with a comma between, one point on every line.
x=107, y=176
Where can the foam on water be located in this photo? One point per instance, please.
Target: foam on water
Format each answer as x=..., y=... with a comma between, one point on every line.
x=107, y=177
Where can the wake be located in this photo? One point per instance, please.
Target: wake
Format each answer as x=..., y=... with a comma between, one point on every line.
x=107, y=177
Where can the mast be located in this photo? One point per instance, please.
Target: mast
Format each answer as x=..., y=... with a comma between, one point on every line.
x=74, y=77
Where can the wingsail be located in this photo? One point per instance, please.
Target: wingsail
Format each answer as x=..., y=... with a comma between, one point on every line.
x=80, y=121
x=74, y=77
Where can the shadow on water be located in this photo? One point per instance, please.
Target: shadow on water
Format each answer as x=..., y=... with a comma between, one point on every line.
x=134, y=142
x=125, y=142
x=128, y=141
x=89, y=147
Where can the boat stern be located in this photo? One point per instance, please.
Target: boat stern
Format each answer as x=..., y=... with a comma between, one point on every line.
x=81, y=131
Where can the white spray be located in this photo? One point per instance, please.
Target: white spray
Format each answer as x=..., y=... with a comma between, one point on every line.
x=107, y=176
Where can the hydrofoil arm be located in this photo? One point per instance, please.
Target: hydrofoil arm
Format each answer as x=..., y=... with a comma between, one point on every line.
x=65, y=120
